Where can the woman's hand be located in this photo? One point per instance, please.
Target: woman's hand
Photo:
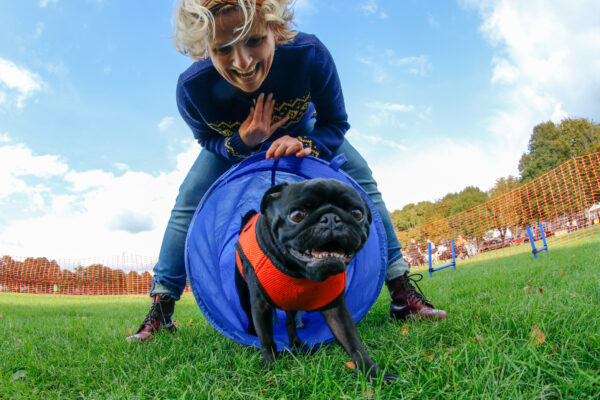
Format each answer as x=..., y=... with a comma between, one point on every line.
x=257, y=127
x=285, y=146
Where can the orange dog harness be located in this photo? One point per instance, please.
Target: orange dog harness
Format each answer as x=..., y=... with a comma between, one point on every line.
x=286, y=292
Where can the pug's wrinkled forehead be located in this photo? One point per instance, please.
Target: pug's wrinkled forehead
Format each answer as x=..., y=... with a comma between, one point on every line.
x=315, y=192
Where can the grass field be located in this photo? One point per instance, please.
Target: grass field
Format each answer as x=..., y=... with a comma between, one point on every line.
x=518, y=328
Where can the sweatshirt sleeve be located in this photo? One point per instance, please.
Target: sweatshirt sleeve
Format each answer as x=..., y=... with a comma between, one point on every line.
x=326, y=94
x=231, y=148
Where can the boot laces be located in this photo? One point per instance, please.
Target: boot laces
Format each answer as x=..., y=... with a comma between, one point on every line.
x=156, y=314
x=415, y=291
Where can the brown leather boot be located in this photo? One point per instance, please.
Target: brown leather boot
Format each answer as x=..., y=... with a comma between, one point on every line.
x=409, y=302
x=158, y=318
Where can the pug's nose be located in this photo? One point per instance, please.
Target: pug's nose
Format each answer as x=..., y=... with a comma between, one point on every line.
x=330, y=220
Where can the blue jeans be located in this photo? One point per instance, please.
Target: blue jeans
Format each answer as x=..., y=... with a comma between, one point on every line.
x=169, y=272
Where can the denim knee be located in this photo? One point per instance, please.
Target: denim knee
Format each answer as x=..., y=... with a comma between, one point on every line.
x=169, y=271
x=358, y=169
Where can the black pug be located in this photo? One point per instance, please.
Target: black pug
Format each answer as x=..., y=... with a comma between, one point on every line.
x=293, y=256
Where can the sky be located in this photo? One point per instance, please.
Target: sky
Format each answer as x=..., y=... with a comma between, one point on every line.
x=440, y=95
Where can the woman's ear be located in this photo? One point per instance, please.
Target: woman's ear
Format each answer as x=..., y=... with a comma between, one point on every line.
x=278, y=37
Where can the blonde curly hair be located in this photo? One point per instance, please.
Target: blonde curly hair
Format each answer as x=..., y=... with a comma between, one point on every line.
x=194, y=23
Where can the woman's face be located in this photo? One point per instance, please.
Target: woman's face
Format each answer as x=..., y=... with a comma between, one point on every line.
x=246, y=63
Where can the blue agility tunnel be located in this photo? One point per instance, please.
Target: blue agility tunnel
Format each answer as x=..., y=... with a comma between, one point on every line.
x=210, y=252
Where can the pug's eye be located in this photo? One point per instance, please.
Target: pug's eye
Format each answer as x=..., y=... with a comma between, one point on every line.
x=357, y=214
x=297, y=216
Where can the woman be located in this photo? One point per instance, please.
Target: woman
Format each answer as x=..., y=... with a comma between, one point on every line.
x=257, y=86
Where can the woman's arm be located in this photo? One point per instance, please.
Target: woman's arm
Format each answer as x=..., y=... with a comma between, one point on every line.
x=231, y=148
x=331, y=121
x=326, y=94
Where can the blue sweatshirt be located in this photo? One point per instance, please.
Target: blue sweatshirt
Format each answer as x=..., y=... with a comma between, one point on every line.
x=304, y=83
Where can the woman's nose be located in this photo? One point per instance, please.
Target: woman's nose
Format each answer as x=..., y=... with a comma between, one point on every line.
x=242, y=58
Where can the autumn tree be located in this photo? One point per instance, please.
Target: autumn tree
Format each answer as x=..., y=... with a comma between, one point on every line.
x=410, y=216
x=468, y=198
x=504, y=185
x=550, y=145
x=424, y=212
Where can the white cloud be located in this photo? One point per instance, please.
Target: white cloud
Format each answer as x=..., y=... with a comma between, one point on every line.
x=384, y=142
x=388, y=64
x=432, y=20
x=122, y=166
x=546, y=63
x=131, y=221
x=82, y=181
x=379, y=73
x=504, y=71
x=545, y=66
x=304, y=10
x=558, y=114
x=430, y=170
x=418, y=65
x=84, y=213
x=39, y=30
x=18, y=163
x=20, y=82
x=304, y=7
x=387, y=114
x=391, y=107
x=369, y=6
x=165, y=123
x=44, y=3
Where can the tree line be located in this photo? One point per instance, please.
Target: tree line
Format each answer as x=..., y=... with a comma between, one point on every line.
x=550, y=145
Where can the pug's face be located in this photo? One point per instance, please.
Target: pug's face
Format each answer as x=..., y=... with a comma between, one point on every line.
x=319, y=225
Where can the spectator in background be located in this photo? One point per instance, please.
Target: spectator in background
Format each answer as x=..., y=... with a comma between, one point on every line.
x=433, y=246
x=415, y=252
x=461, y=247
x=444, y=248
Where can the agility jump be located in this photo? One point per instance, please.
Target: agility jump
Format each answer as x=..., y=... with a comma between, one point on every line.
x=452, y=264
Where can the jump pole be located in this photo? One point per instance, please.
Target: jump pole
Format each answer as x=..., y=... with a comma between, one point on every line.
x=535, y=250
x=452, y=264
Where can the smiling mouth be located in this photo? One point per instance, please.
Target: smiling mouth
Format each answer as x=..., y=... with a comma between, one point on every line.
x=315, y=255
x=247, y=75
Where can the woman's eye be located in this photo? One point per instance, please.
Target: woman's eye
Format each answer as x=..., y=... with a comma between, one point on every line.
x=297, y=216
x=223, y=50
x=254, y=42
x=357, y=214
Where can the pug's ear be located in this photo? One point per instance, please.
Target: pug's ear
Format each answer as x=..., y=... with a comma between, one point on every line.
x=270, y=196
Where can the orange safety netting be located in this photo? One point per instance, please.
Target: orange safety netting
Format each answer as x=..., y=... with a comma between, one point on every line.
x=116, y=275
x=565, y=200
